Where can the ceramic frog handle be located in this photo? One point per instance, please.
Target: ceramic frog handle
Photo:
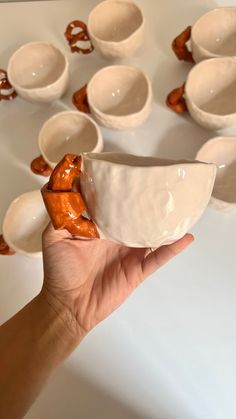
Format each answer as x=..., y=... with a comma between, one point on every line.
x=80, y=99
x=7, y=92
x=180, y=48
x=81, y=36
x=175, y=100
x=66, y=207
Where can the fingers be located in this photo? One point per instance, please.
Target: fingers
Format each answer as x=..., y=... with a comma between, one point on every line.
x=161, y=256
x=50, y=235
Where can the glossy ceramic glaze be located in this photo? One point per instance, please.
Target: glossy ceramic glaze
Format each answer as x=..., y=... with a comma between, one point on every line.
x=210, y=93
x=214, y=34
x=24, y=222
x=116, y=28
x=39, y=72
x=68, y=132
x=144, y=201
x=222, y=152
x=120, y=97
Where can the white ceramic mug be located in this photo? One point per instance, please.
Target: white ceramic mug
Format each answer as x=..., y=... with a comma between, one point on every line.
x=115, y=30
x=24, y=222
x=213, y=35
x=119, y=97
x=144, y=201
x=209, y=94
x=222, y=152
x=39, y=72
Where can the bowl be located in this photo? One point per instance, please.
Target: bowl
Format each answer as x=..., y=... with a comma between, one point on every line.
x=213, y=35
x=119, y=97
x=24, y=222
x=115, y=30
x=222, y=152
x=39, y=72
x=68, y=132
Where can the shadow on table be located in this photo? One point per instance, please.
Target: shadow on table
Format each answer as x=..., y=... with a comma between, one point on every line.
x=69, y=396
x=183, y=141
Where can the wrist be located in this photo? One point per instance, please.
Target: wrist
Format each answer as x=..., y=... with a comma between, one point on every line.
x=59, y=323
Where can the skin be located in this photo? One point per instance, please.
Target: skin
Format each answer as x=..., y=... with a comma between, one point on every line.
x=84, y=282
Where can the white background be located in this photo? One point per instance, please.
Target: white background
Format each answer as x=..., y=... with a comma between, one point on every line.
x=170, y=351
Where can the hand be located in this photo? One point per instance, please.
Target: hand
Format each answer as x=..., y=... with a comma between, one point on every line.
x=93, y=277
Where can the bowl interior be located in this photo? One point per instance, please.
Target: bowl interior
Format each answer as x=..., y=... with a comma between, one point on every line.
x=24, y=223
x=67, y=133
x=36, y=65
x=115, y=21
x=216, y=31
x=222, y=152
x=211, y=86
x=118, y=91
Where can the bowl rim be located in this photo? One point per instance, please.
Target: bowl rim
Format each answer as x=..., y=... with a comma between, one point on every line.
x=188, y=81
x=9, y=241
x=82, y=115
x=113, y=43
x=195, y=29
x=122, y=67
x=39, y=89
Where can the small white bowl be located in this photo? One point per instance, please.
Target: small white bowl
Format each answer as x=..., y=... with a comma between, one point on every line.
x=115, y=29
x=39, y=72
x=120, y=97
x=24, y=222
x=210, y=93
x=222, y=152
x=213, y=35
x=68, y=132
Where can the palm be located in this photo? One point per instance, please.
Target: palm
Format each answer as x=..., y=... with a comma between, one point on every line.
x=96, y=276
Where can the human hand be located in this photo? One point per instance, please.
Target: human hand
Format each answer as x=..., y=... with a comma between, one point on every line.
x=91, y=278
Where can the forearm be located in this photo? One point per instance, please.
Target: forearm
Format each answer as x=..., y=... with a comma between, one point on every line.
x=32, y=344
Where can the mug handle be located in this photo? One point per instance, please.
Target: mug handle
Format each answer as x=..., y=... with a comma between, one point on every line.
x=180, y=48
x=4, y=248
x=81, y=36
x=175, y=100
x=66, y=207
x=6, y=87
x=40, y=167
x=80, y=100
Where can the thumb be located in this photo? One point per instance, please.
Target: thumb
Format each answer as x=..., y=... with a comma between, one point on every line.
x=161, y=256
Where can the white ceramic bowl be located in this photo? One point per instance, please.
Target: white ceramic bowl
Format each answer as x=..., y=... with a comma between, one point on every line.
x=115, y=30
x=39, y=72
x=144, y=201
x=120, y=97
x=68, y=132
x=210, y=93
x=24, y=222
x=213, y=35
x=222, y=152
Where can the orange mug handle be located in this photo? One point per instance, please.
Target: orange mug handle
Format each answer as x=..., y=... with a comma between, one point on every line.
x=4, y=248
x=7, y=92
x=80, y=100
x=175, y=100
x=67, y=208
x=40, y=167
x=81, y=36
x=180, y=48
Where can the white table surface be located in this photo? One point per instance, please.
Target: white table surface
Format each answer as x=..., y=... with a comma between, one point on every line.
x=170, y=351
